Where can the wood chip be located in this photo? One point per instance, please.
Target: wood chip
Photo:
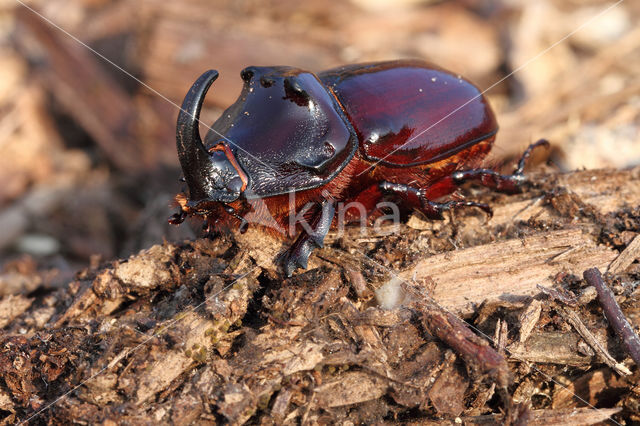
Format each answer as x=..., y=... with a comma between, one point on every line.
x=352, y=388
x=626, y=258
x=11, y=307
x=508, y=269
x=577, y=417
x=528, y=319
x=572, y=318
x=550, y=347
x=176, y=362
x=593, y=387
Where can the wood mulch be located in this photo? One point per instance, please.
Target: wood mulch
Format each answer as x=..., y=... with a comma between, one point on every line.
x=110, y=315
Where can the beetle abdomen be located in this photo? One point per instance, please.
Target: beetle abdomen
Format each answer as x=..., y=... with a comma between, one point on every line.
x=408, y=113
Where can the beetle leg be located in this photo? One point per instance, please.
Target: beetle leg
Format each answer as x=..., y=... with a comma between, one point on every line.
x=416, y=198
x=491, y=179
x=244, y=225
x=178, y=218
x=298, y=254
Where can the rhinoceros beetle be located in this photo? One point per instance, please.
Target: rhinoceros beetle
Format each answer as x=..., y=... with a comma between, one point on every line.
x=358, y=133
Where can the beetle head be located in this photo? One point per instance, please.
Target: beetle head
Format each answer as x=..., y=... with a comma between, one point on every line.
x=212, y=175
x=289, y=130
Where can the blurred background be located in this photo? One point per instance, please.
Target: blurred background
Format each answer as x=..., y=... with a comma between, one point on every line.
x=88, y=167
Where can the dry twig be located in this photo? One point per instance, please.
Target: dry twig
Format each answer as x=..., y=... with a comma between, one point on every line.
x=614, y=314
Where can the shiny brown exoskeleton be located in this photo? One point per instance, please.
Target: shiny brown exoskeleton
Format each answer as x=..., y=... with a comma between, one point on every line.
x=407, y=130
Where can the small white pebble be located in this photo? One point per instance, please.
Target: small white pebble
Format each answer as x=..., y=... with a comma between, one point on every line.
x=390, y=295
x=433, y=79
x=38, y=245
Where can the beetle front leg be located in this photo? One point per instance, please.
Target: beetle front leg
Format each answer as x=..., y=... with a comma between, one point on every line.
x=491, y=179
x=416, y=198
x=298, y=254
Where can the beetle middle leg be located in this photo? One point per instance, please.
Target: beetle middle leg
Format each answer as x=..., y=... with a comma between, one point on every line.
x=492, y=179
x=417, y=199
x=298, y=254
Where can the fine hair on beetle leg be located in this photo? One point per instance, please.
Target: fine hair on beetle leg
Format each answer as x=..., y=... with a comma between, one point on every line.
x=299, y=218
x=361, y=217
x=261, y=215
x=346, y=216
x=393, y=216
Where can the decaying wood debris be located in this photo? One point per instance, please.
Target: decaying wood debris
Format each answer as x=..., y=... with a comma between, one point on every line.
x=467, y=321
x=209, y=330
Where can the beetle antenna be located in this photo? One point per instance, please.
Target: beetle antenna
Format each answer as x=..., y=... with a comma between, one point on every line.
x=178, y=218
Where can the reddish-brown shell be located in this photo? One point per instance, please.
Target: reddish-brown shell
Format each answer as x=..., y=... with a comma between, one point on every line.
x=408, y=113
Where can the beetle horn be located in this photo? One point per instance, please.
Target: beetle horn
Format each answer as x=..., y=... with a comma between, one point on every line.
x=193, y=156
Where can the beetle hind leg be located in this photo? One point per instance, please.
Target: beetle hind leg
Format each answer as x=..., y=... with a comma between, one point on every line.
x=417, y=199
x=492, y=179
x=298, y=254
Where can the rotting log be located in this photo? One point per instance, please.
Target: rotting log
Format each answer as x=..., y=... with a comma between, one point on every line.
x=210, y=330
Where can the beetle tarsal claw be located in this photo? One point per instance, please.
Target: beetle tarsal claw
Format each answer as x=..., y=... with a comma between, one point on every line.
x=298, y=254
x=527, y=153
